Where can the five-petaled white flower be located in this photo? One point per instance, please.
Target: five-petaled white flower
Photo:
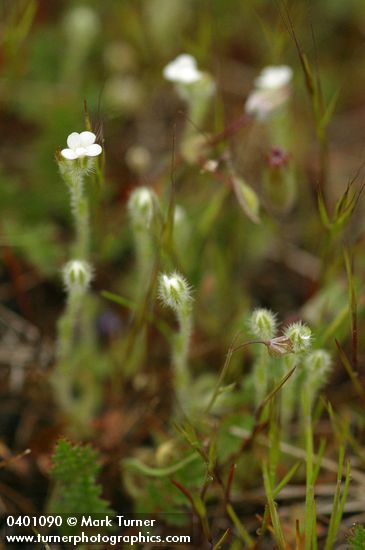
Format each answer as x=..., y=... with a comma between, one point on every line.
x=81, y=145
x=183, y=70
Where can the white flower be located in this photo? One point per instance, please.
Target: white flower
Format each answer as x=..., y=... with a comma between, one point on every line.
x=274, y=77
x=271, y=91
x=183, y=70
x=81, y=145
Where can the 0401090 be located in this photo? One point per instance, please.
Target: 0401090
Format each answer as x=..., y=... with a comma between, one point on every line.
x=34, y=521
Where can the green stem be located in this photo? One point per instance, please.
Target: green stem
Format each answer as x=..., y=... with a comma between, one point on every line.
x=260, y=375
x=278, y=532
x=242, y=531
x=288, y=394
x=67, y=326
x=309, y=498
x=136, y=464
x=181, y=350
x=144, y=257
x=80, y=210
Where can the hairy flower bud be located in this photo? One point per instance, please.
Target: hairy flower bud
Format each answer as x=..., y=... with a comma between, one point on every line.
x=263, y=323
x=317, y=366
x=141, y=206
x=81, y=25
x=174, y=291
x=77, y=275
x=299, y=335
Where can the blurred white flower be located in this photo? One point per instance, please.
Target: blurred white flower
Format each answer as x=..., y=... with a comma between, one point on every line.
x=81, y=145
x=138, y=158
x=183, y=70
x=271, y=91
x=262, y=103
x=274, y=77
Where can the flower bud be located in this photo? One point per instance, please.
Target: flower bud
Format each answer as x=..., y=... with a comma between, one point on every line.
x=164, y=21
x=281, y=345
x=124, y=94
x=179, y=215
x=138, y=159
x=77, y=275
x=263, y=323
x=120, y=57
x=299, y=335
x=141, y=206
x=81, y=25
x=174, y=291
x=317, y=366
x=165, y=453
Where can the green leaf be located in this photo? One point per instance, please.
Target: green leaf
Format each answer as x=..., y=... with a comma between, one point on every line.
x=278, y=532
x=357, y=538
x=74, y=472
x=247, y=199
x=329, y=110
x=159, y=472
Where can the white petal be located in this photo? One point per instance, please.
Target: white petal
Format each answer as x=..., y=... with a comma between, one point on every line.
x=186, y=59
x=262, y=103
x=93, y=150
x=69, y=154
x=87, y=138
x=273, y=77
x=73, y=140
